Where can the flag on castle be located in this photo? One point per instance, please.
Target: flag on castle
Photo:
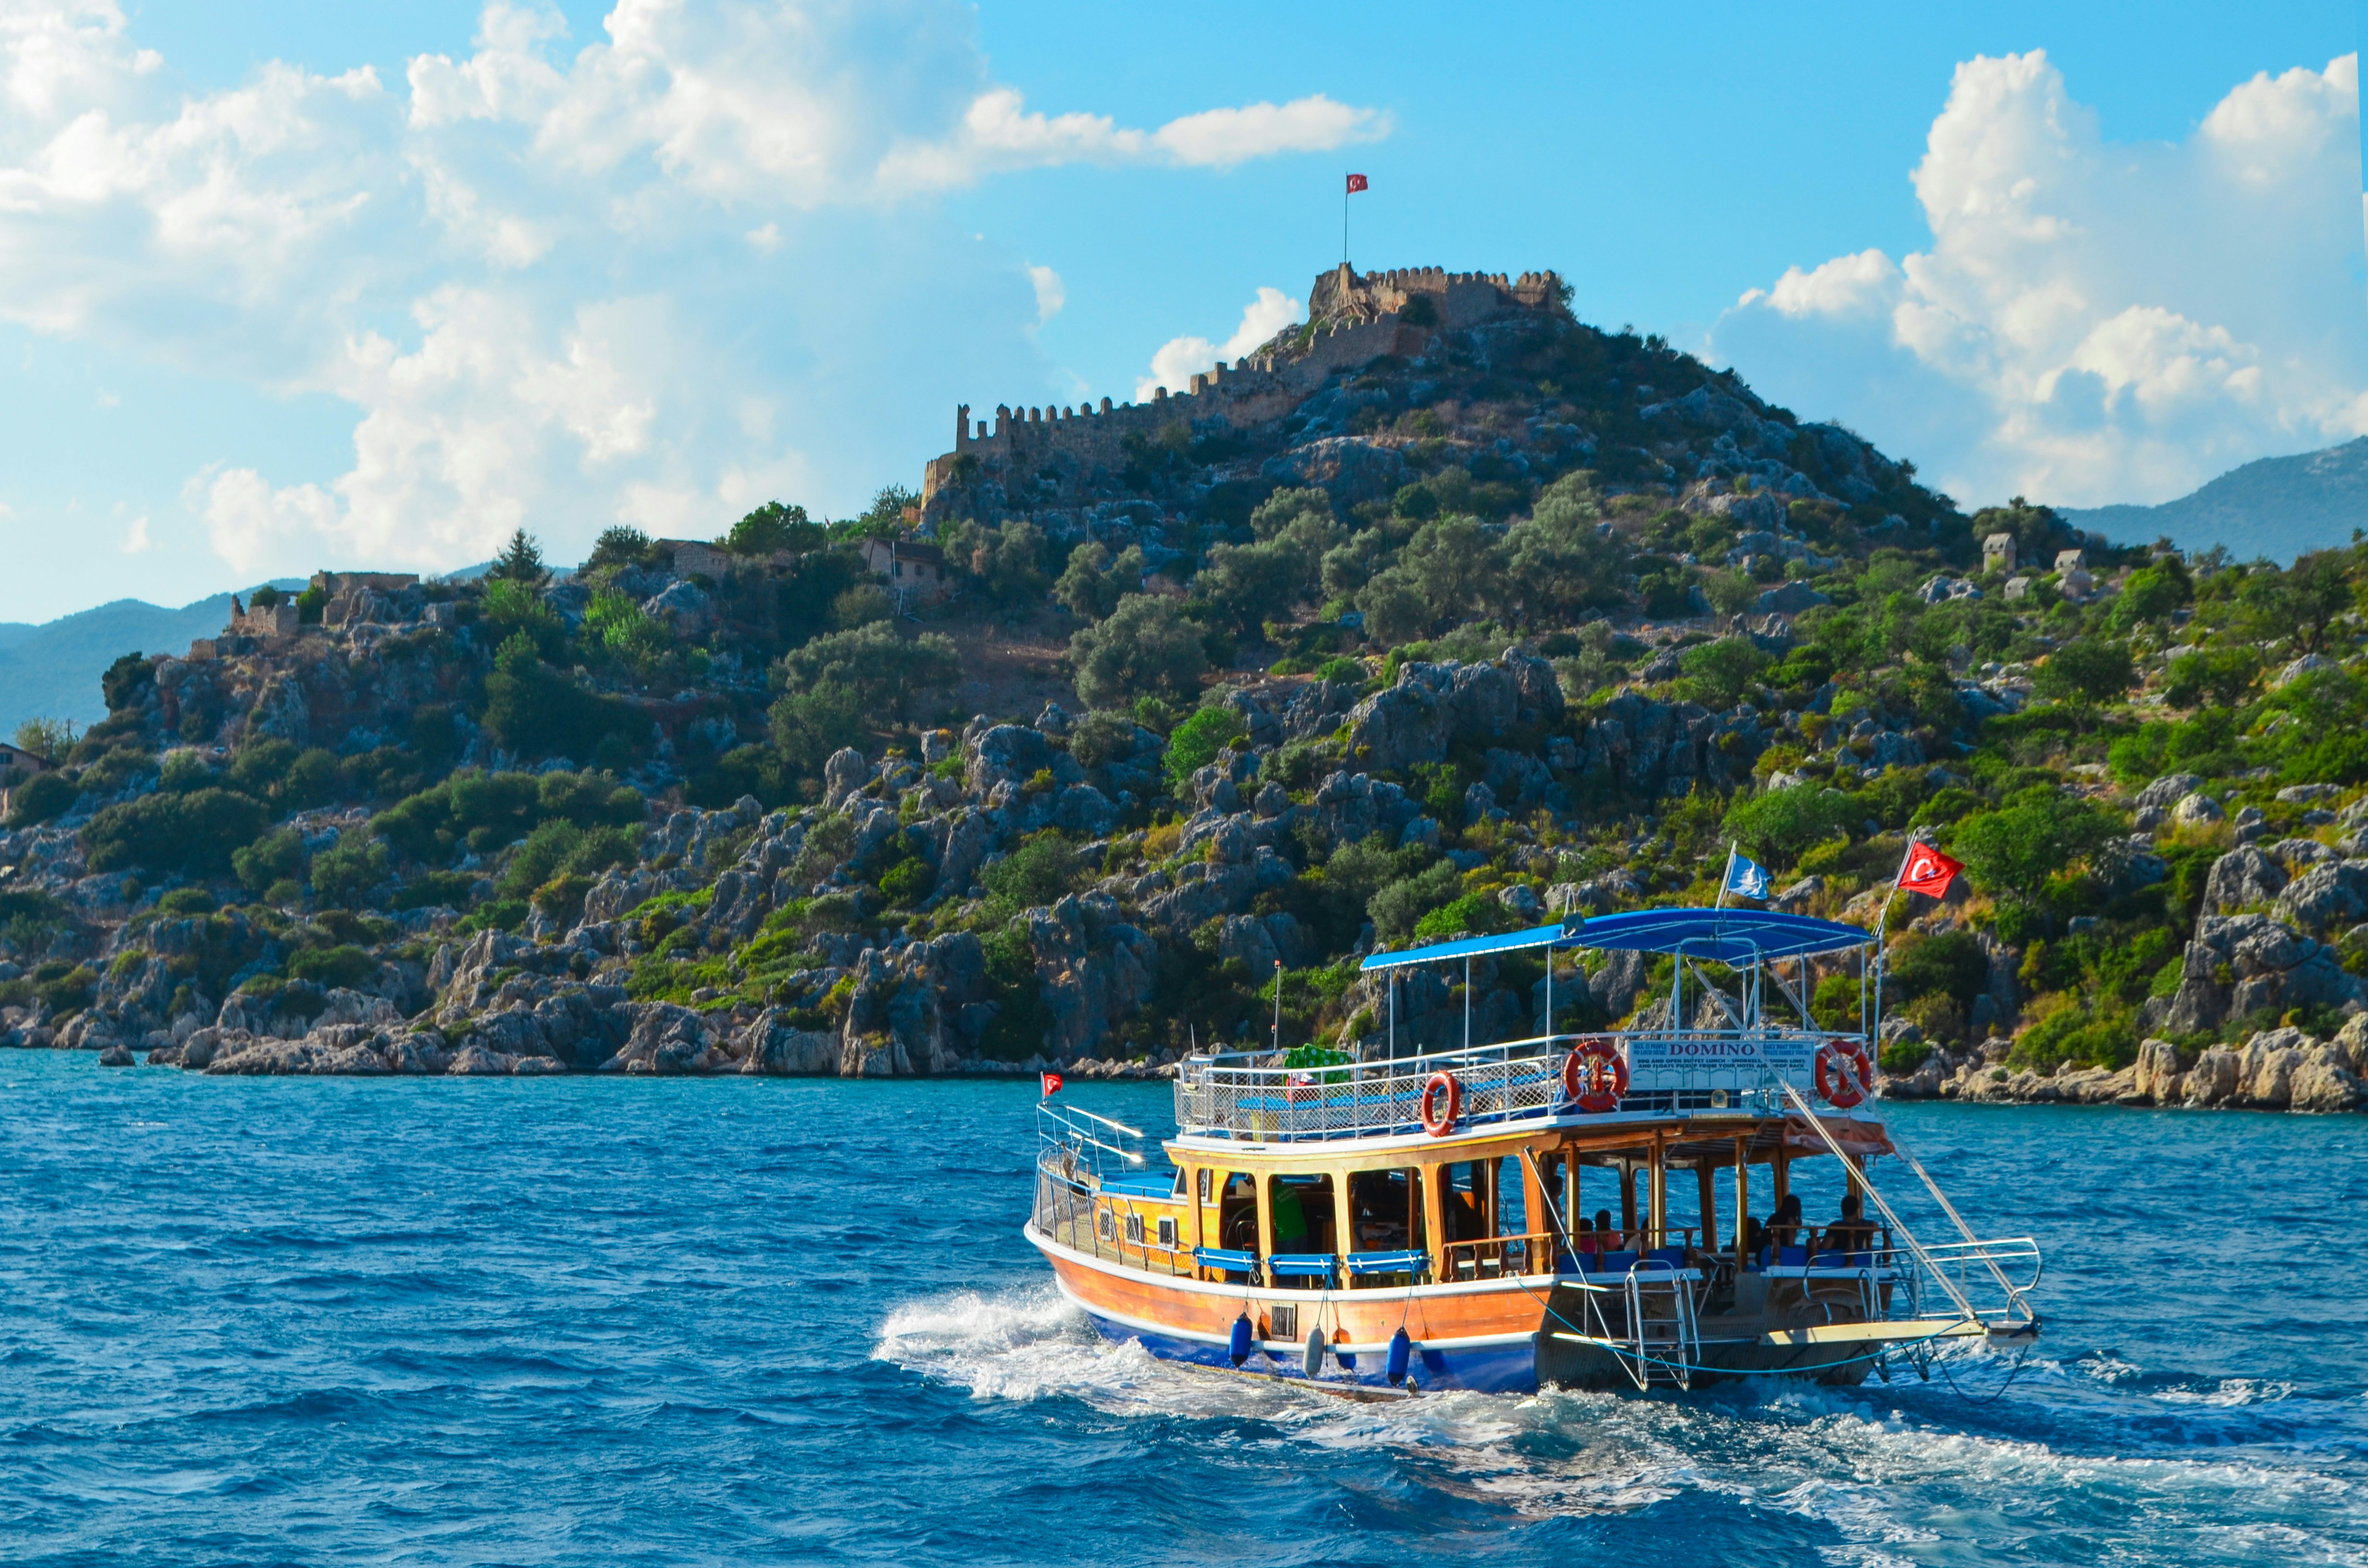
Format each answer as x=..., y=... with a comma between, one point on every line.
x=1926, y=871
x=1356, y=184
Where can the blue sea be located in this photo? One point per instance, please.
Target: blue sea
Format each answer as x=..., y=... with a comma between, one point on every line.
x=569, y=1320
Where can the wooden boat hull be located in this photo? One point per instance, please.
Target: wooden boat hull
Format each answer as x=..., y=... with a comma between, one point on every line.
x=1503, y=1335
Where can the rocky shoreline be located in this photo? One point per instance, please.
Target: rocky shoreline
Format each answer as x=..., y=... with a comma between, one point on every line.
x=363, y=1036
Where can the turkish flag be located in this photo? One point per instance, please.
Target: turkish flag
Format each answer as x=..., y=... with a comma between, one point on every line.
x=1928, y=871
x=1052, y=1083
x=1356, y=184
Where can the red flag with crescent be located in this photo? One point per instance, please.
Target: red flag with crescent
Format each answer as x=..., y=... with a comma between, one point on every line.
x=1356, y=184
x=1928, y=871
x=1052, y=1083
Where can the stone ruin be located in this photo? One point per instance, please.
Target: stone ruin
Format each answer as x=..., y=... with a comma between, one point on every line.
x=1353, y=318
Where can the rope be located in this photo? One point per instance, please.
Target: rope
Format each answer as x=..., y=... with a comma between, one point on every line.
x=2012, y=1372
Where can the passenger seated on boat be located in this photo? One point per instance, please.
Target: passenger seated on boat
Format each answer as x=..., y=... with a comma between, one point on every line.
x=1851, y=1233
x=1755, y=1236
x=1584, y=1242
x=1290, y=1222
x=1785, y=1225
x=1606, y=1238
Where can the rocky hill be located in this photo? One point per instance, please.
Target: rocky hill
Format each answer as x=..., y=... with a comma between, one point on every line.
x=1440, y=614
x=51, y=670
x=2274, y=507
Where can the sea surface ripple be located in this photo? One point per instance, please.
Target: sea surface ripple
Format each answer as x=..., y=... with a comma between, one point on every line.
x=570, y=1320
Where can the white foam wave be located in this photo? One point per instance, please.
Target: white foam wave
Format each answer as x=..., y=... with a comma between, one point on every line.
x=1888, y=1480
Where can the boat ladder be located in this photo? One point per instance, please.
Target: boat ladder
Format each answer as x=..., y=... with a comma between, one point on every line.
x=1662, y=1327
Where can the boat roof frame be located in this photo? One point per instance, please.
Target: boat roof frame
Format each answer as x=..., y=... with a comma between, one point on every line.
x=1733, y=937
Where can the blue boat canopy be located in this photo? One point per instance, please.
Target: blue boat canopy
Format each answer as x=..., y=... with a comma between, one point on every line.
x=1556, y=935
x=1725, y=935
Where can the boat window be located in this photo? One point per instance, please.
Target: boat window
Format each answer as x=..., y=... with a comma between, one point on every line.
x=1385, y=1211
x=1599, y=1194
x=1299, y=1214
x=1237, y=1214
x=1467, y=1200
x=1819, y=1181
x=1205, y=1174
x=1167, y=1232
x=1134, y=1228
x=1511, y=1214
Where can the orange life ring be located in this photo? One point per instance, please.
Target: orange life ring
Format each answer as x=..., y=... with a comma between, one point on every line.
x=1839, y=1088
x=1595, y=1075
x=1442, y=1122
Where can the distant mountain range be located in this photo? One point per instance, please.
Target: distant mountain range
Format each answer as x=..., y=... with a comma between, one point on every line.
x=2278, y=507
x=52, y=671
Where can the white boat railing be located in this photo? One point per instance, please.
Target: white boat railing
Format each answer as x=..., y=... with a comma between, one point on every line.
x=1253, y=1095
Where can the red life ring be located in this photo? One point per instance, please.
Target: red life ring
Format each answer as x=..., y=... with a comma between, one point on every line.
x=1838, y=1087
x=1441, y=1124
x=1595, y=1075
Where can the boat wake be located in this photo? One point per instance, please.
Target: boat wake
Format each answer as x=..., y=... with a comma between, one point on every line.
x=2017, y=1455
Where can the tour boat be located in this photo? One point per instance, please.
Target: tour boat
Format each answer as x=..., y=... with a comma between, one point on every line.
x=1510, y=1216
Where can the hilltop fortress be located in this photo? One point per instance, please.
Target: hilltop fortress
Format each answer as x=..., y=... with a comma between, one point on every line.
x=1353, y=319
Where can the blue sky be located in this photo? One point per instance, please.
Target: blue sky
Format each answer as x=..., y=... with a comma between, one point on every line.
x=280, y=287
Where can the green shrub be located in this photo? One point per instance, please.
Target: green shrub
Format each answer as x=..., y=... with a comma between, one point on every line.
x=1039, y=871
x=2037, y=834
x=195, y=834
x=1021, y=1019
x=2079, y=1032
x=490, y=811
x=344, y=965
x=65, y=988
x=1780, y=825
x=2087, y=669
x=1145, y=647
x=187, y=900
x=347, y=871
x=562, y=898
x=536, y=710
x=1101, y=738
x=1195, y=743
x=1902, y=1057
x=558, y=847
x=41, y=798
x=1835, y=1004
x=909, y=882
x=270, y=858
x=1951, y=964
x=1474, y=914
x=449, y=889
x=1398, y=907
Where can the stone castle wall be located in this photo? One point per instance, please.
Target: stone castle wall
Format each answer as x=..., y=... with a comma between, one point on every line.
x=1354, y=319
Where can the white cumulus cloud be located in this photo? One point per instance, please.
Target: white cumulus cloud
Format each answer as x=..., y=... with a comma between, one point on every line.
x=2092, y=321
x=559, y=282
x=1050, y=292
x=1180, y=358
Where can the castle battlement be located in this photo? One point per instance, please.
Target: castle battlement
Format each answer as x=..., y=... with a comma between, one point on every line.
x=1353, y=318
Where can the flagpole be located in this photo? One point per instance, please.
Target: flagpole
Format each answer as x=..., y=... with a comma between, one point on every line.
x=1882, y=919
x=1344, y=222
x=1726, y=876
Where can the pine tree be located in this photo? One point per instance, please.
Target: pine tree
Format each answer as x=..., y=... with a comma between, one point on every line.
x=521, y=560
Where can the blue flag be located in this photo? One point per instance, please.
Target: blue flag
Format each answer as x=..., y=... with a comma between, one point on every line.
x=1745, y=878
